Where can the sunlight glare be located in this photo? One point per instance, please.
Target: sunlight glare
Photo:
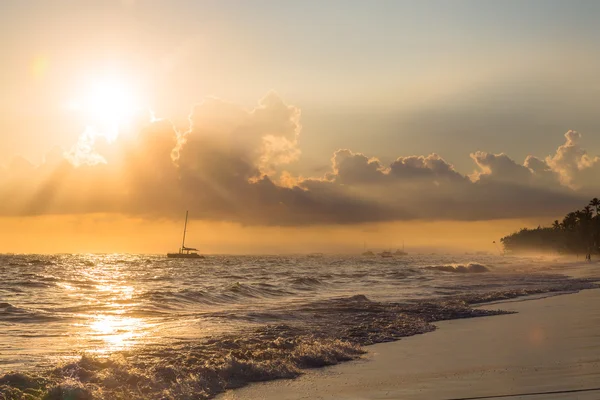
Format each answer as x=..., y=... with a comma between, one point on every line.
x=107, y=106
x=117, y=332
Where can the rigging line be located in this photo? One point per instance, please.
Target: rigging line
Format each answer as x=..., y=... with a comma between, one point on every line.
x=526, y=394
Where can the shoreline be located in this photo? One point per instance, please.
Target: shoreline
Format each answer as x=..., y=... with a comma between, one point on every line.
x=206, y=368
x=549, y=344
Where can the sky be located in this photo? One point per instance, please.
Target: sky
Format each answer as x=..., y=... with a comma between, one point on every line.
x=402, y=118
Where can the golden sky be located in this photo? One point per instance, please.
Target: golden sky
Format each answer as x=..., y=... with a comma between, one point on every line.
x=101, y=233
x=292, y=126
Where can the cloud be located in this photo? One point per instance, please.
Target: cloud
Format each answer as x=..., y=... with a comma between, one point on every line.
x=428, y=187
x=573, y=165
x=352, y=168
x=229, y=165
x=265, y=137
x=432, y=168
x=499, y=168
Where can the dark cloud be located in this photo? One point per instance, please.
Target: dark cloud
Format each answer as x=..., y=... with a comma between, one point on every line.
x=500, y=168
x=355, y=168
x=229, y=165
x=432, y=168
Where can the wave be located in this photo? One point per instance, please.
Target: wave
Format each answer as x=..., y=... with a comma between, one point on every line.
x=30, y=283
x=250, y=290
x=468, y=268
x=232, y=293
x=13, y=314
x=306, y=281
x=18, y=261
x=403, y=273
x=324, y=333
x=222, y=327
x=92, y=377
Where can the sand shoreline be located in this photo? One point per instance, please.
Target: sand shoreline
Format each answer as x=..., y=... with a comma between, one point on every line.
x=550, y=344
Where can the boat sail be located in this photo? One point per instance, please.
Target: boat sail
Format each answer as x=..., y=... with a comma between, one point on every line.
x=367, y=252
x=185, y=252
x=401, y=252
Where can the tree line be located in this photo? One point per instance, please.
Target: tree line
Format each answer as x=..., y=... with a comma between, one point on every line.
x=577, y=233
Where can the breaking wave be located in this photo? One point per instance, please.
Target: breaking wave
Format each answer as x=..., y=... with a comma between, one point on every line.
x=326, y=333
x=465, y=269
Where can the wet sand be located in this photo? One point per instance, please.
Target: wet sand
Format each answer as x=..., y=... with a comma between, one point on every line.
x=552, y=344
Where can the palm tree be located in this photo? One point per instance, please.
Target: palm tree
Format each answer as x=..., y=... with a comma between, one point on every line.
x=578, y=232
x=570, y=221
x=585, y=218
x=556, y=225
x=595, y=202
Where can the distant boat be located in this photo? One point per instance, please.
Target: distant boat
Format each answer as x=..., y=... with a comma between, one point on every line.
x=185, y=252
x=366, y=252
x=315, y=255
x=386, y=254
x=401, y=252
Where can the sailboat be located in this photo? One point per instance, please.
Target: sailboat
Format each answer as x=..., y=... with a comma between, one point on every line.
x=386, y=254
x=185, y=252
x=367, y=252
x=401, y=252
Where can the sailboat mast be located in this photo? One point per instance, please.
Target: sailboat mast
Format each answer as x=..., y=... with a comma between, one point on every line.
x=184, y=230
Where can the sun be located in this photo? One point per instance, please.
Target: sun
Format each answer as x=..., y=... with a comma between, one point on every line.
x=107, y=106
x=110, y=101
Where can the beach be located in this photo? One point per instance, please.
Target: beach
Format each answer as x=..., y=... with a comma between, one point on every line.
x=550, y=345
x=140, y=327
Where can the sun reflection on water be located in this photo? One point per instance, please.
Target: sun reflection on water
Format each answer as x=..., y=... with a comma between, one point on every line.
x=116, y=332
x=118, y=292
x=114, y=326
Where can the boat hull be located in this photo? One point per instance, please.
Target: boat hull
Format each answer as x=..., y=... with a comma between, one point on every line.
x=183, y=255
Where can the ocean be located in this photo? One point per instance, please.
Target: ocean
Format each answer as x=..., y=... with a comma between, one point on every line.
x=136, y=326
